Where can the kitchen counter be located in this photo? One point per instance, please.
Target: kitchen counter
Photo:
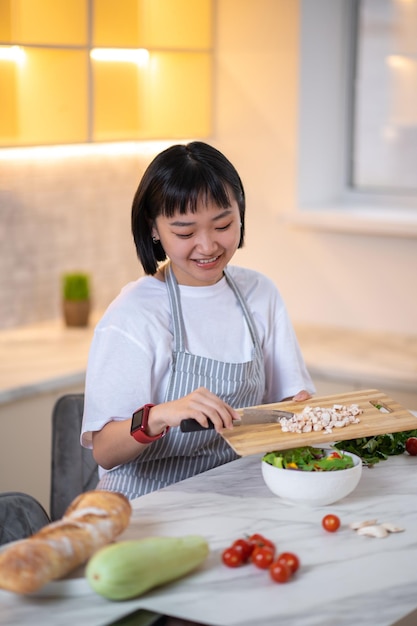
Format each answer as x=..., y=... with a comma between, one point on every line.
x=341, y=354
x=42, y=357
x=48, y=356
x=343, y=579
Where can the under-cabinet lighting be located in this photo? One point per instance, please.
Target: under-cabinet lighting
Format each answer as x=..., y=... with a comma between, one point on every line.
x=135, y=148
x=12, y=53
x=140, y=56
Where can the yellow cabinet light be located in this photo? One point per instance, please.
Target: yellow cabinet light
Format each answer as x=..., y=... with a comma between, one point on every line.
x=45, y=98
x=164, y=95
x=59, y=22
x=77, y=71
x=116, y=110
x=177, y=100
x=180, y=24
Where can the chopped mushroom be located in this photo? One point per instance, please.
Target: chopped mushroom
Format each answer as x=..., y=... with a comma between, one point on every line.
x=357, y=525
x=373, y=531
x=370, y=528
x=391, y=528
x=319, y=418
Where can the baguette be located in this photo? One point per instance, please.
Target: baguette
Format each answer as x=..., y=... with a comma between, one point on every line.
x=92, y=520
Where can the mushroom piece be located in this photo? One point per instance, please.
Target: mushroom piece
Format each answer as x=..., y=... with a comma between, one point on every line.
x=373, y=531
x=357, y=525
x=391, y=528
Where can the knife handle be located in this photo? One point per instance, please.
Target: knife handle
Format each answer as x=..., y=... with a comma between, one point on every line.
x=190, y=425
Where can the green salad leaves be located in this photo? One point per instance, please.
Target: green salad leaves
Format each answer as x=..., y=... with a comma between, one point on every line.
x=376, y=448
x=309, y=459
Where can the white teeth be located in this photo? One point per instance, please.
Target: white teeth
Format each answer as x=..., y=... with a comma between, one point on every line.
x=203, y=261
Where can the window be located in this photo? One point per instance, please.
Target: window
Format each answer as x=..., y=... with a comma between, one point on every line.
x=384, y=150
x=334, y=191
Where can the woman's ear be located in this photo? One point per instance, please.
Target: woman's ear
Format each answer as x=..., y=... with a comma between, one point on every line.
x=155, y=234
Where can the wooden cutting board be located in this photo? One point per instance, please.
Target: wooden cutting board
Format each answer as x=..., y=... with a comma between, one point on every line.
x=253, y=439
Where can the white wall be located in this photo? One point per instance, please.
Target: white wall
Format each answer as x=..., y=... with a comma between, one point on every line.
x=349, y=280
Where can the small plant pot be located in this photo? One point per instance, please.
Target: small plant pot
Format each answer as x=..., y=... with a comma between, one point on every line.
x=76, y=312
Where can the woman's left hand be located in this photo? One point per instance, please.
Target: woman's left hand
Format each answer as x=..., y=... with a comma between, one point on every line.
x=302, y=395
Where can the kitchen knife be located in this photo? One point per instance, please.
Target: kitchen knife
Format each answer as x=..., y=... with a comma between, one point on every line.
x=249, y=417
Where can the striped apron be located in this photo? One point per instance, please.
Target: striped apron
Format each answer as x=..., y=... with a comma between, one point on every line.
x=180, y=455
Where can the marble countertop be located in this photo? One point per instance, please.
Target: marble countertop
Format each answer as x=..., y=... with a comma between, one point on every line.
x=48, y=356
x=343, y=579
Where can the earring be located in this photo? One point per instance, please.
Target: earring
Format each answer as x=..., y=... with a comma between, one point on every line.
x=155, y=241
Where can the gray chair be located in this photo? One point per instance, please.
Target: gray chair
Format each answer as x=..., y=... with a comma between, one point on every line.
x=73, y=469
x=21, y=515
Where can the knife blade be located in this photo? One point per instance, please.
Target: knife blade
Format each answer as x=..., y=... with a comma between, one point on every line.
x=262, y=416
x=249, y=417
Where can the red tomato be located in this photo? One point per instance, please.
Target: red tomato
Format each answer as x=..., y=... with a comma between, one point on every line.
x=330, y=523
x=245, y=547
x=259, y=540
x=280, y=572
x=289, y=559
x=232, y=557
x=411, y=446
x=262, y=556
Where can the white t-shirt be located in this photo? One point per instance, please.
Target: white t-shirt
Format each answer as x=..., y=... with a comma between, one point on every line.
x=131, y=352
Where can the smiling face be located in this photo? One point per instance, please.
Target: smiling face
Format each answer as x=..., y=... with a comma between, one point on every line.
x=200, y=244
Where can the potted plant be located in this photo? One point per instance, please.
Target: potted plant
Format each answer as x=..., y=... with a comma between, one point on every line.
x=76, y=298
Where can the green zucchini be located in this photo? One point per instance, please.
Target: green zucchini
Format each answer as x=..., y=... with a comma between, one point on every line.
x=128, y=569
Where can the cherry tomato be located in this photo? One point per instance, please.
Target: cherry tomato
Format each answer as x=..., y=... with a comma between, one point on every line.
x=259, y=540
x=411, y=446
x=262, y=556
x=232, y=557
x=289, y=559
x=245, y=547
x=280, y=572
x=330, y=523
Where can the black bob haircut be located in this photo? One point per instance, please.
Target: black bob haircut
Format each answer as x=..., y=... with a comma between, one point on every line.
x=176, y=180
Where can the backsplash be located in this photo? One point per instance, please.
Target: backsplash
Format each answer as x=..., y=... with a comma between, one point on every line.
x=62, y=213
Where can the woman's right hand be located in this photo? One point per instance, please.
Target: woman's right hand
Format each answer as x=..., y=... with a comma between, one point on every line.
x=201, y=405
x=113, y=444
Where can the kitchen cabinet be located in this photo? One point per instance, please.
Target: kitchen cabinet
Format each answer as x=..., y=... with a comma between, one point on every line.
x=169, y=97
x=44, y=22
x=47, y=100
x=174, y=24
x=53, y=91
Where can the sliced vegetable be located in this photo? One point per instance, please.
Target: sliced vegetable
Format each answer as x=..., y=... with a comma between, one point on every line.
x=309, y=459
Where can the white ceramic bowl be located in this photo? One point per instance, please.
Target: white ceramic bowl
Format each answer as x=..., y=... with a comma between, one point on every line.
x=312, y=488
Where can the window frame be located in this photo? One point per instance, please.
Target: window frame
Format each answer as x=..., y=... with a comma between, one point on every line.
x=325, y=199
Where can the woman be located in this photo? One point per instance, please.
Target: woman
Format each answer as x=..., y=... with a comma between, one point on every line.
x=194, y=338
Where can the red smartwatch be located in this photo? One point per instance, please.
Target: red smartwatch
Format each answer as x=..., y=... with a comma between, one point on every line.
x=140, y=423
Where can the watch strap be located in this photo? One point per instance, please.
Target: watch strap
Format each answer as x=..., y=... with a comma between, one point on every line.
x=139, y=433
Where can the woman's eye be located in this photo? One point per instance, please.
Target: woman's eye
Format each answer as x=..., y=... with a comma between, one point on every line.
x=224, y=227
x=183, y=235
